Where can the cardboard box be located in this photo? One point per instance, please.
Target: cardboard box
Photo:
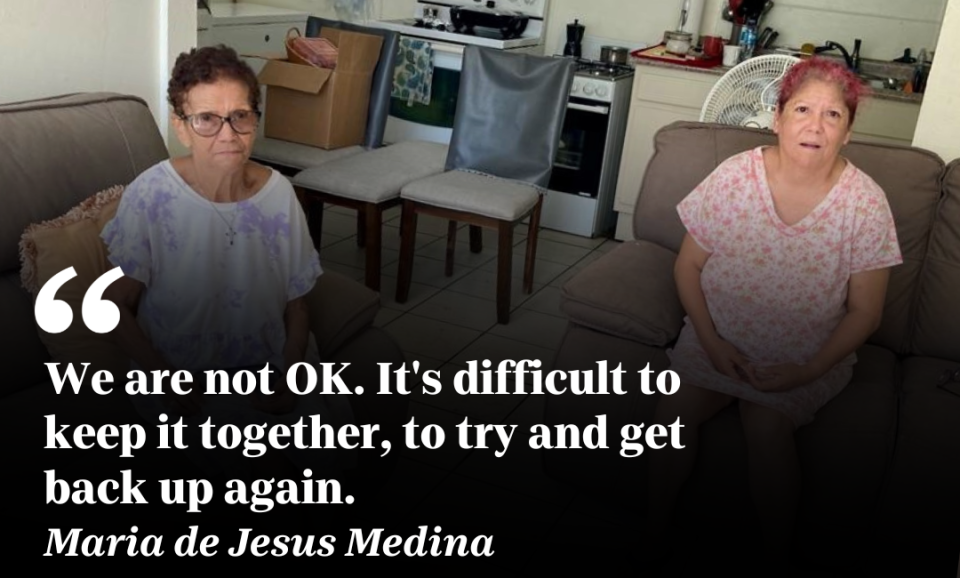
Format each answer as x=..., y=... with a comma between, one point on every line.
x=318, y=106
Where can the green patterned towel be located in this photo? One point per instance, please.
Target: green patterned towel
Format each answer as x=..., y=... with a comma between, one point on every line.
x=413, y=76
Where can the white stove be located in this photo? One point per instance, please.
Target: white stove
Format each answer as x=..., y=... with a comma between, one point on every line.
x=432, y=21
x=584, y=180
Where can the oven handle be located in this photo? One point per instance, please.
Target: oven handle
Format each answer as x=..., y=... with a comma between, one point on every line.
x=586, y=108
x=451, y=48
x=441, y=46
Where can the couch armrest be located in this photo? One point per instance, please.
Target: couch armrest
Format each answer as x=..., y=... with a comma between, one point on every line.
x=629, y=292
x=339, y=308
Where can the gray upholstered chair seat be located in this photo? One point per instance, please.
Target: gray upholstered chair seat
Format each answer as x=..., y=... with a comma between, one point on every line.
x=378, y=175
x=476, y=193
x=298, y=156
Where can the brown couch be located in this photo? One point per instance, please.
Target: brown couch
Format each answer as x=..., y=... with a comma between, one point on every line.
x=881, y=462
x=56, y=152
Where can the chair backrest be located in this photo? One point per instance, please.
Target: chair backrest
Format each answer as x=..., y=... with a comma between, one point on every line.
x=510, y=112
x=382, y=84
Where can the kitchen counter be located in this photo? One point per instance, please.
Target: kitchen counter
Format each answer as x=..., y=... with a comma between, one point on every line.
x=879, y=93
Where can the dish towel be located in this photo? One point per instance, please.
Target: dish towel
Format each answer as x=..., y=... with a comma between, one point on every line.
x=413, y=76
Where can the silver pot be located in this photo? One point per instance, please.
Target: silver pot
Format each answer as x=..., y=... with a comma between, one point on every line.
x=614, y=54
x=677, y=42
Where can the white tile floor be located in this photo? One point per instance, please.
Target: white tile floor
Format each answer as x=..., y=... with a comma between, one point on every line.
x=453, y=319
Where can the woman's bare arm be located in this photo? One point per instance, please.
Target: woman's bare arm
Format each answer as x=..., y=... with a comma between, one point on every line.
x=687, y=270
x=125, y=293
x=297, y=322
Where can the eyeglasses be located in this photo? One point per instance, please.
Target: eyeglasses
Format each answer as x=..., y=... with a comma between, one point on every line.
x=209, y=124
x=946, y=378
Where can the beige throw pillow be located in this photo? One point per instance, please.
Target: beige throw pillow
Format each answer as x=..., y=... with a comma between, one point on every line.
x=72, y=240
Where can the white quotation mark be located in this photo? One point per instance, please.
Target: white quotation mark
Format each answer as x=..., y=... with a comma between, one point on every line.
x=55, y=316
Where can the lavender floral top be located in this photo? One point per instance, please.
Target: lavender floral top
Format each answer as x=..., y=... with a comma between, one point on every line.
x=217, y=275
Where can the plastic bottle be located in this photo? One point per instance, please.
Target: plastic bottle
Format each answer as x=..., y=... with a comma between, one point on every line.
x=748, y=40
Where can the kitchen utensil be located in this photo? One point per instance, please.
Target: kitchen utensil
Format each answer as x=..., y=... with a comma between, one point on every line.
x=617, y=54
x=735, y=9
x=763, y=36
x=769, y=42
x=712, y=46
x=766, y=8
x=677, y=42
x=507, y=23
x=906, y=58
x=573, y=47
x=683, y=15
x=731, y=54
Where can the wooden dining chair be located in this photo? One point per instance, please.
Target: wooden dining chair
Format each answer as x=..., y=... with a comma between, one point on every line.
x=510, y=111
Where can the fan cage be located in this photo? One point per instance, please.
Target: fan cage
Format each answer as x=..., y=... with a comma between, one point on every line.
x=747, y=90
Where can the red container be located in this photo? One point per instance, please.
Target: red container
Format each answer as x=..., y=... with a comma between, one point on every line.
x=712, y=46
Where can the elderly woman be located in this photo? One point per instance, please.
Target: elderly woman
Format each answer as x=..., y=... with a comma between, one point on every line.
x=783, y=274
x=216, y=258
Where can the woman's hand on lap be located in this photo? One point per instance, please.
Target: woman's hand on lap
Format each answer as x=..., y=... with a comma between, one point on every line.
x=280, y=402
x=728, y=361
x=784, y=377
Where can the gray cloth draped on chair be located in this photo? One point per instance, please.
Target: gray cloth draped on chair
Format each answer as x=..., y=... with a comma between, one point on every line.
x=509, y=115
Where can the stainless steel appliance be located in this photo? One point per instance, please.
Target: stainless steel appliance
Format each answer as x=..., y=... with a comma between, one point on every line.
x=584, y=181
x=508, y=25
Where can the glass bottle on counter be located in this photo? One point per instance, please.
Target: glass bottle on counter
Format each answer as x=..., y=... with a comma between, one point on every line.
x=748, y=40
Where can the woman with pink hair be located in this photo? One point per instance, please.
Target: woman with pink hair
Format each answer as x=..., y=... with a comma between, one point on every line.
x=783, y=274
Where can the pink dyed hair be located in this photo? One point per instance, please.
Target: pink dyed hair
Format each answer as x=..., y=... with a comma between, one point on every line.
x=827, y=70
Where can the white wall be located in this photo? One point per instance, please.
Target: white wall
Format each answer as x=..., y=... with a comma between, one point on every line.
x=939, y=124
x=52, y=47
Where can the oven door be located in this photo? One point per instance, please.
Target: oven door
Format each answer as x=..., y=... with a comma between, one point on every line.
x=579, y=160
x=432, y=122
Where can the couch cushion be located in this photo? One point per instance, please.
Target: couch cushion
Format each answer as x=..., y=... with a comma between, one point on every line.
x=686, y=152
x=57, y=151
x=601, y=470
x=922, y=488
x=73, y=240
x=629, y=292
x=937, y=333
x=45, y=247
x=22, y=354
x=378, y=175
x=339, y=308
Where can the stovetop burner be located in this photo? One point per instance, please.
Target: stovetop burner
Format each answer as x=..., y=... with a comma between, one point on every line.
x=431, y=24
x=604, y=70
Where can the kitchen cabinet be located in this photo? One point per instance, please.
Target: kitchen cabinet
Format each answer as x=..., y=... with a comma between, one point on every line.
x=665, y=94
x=661, y=96
x=249, y=28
